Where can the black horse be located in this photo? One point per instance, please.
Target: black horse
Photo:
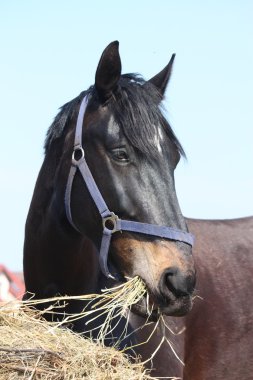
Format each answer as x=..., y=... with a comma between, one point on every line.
x=111, y=149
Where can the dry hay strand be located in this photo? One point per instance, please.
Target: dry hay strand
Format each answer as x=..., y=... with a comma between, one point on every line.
x=32, y=348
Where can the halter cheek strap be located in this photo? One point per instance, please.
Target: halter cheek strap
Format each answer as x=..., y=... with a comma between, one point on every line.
x=110, y=222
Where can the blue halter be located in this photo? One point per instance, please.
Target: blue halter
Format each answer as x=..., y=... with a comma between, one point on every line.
x=110, y=222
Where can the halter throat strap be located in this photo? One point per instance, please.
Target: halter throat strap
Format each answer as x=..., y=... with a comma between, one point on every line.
x=110, y=222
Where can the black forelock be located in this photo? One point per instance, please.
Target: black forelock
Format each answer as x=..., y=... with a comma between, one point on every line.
x=139, y=112
x=136, y=108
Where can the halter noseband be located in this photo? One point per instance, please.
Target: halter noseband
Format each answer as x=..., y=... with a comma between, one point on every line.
x=110, y=222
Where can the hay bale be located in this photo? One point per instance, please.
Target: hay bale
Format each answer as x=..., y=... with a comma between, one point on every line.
x=32, y=348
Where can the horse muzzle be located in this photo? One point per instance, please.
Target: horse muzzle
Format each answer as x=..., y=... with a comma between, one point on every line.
x=173, y=297
x=176, y=289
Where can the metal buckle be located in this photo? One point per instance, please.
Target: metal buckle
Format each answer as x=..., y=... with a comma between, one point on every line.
x=110, y=223
x=77, y=150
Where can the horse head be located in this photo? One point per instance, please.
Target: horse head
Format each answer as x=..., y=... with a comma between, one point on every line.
x=132, y=153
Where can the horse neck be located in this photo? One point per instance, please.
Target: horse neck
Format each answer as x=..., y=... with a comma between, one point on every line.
x=69, y=260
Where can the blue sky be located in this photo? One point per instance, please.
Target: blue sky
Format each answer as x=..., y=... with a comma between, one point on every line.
x=49, y=54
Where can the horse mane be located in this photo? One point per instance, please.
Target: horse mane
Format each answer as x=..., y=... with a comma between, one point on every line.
x=137, y=110
x=57, y=127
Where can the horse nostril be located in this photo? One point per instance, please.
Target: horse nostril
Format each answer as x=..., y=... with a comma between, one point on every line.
x=178, y=283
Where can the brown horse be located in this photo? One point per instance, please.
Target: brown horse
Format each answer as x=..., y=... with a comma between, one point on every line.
x=106, y=190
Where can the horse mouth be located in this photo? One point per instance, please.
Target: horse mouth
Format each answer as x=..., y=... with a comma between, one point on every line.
x=151, y=310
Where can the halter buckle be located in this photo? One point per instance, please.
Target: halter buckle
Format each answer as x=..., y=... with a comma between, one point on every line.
x=110, y=223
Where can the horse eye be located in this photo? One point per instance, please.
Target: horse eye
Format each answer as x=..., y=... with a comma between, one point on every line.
x=120, y=155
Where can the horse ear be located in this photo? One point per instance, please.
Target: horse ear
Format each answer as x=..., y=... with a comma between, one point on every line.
x=108, y=71
x=161, y=80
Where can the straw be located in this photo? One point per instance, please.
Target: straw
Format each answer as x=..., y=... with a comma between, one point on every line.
x=32, y=348
x=37, y=349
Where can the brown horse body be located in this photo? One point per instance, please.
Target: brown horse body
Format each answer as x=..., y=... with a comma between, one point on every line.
x=216, y=343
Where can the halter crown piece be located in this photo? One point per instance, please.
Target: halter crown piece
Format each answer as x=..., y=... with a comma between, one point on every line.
x=110, y=222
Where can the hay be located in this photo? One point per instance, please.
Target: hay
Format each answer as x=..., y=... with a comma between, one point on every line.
x=32, y=348
x=113, y=303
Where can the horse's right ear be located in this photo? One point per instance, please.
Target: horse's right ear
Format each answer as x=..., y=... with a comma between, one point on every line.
x=160, y=80
x=108, y=71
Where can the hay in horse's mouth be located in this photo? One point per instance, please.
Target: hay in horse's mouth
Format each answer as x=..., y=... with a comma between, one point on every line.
x=112, y=303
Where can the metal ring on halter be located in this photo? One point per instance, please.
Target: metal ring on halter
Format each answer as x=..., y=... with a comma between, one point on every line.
x=78, y=149
x=112, y=221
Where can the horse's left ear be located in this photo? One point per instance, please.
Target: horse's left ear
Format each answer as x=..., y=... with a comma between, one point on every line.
x=161, y=80
x=108, y=71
